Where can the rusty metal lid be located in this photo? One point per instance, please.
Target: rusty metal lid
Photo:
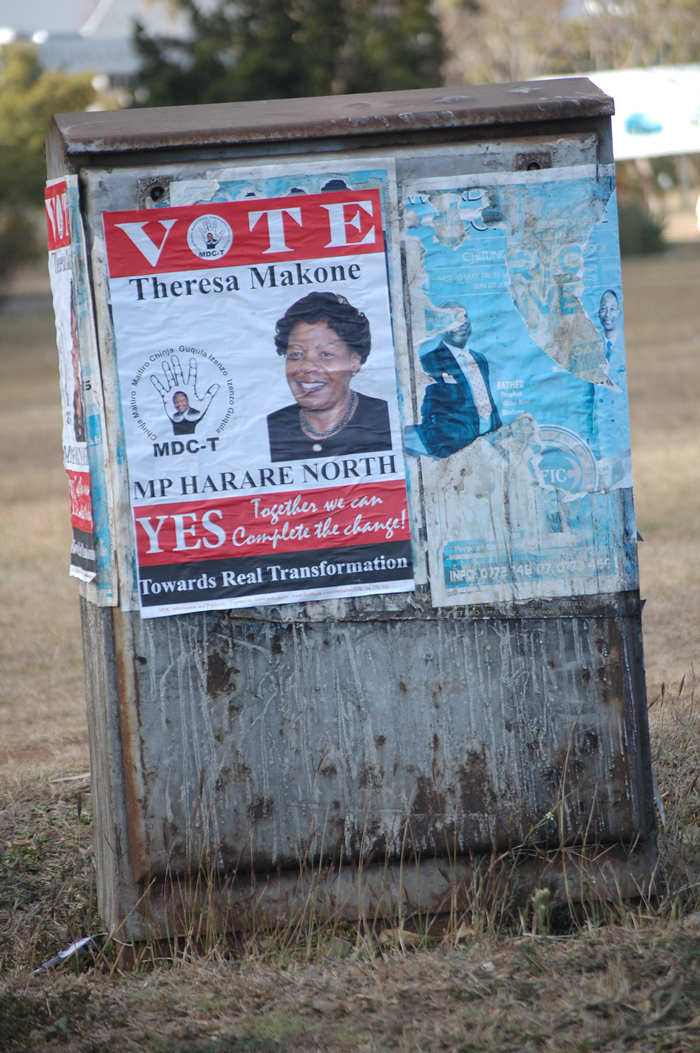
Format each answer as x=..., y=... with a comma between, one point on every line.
x=124, y=131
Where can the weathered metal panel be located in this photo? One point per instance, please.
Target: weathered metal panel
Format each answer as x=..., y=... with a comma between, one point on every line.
x=263, y=743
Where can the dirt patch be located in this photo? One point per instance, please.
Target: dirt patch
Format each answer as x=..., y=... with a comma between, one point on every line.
x=603, y=991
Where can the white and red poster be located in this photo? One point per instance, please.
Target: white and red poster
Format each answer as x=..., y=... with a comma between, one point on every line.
x=75, y=454
x=258, y=389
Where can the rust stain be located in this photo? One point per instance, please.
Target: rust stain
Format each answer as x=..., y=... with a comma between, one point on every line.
x=129, y=701
x=424, y=826
x=621, y=792
x=476, y=789
x=260, y=808
x=370, y=777
x=220, y=675
x=373, y=798
x=590, y=741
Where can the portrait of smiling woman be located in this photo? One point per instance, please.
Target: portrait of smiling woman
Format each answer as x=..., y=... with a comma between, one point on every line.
x=325, y=341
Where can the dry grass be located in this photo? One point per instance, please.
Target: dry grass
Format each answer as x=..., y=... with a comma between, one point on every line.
x=46, y=890
x=662, y=327
x=675, y=723
x=42, y=699
x=632, y=986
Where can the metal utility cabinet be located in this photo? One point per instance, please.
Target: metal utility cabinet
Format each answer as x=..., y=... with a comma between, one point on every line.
x=397, y=620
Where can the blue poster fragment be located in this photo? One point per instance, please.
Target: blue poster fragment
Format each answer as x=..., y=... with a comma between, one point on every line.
x=520, y=420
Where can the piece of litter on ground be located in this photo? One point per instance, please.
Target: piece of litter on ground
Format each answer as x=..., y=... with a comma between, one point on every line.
x=325, y=1005
x=74, y=948
x=488, y=967
x=399, y=938
x=660, y=805
x=464, y=932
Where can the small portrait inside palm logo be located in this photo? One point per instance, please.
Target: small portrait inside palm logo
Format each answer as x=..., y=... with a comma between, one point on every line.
x=181, y=402
x=184, y=407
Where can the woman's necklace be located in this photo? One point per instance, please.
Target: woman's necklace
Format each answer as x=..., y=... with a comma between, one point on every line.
x=317, y=446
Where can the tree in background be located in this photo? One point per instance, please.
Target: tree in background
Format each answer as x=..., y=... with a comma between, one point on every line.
x=510, y=40
x=503, y=40
x=28, y=98
x=273, y=49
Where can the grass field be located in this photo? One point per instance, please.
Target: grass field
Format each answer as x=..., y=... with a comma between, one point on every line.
x=632, y=985
x=662, y=327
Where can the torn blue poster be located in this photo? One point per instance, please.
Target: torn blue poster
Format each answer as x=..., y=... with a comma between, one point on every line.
x=520, y=419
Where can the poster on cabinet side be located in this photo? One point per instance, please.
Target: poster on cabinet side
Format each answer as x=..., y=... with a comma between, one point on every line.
x=256, y=370
x=74, y=437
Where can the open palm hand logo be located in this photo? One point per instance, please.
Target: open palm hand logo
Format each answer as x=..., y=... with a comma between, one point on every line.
x=184, y=407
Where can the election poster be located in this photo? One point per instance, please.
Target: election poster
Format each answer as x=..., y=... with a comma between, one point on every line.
x=256, y=368
x=520, y=424
x=74, y=437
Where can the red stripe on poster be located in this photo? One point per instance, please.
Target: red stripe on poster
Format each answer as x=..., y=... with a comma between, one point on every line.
x=57, y=217
x=80, y=501
x=255, y=232
x=261, y=525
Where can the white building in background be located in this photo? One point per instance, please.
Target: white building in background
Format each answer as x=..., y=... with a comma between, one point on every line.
x=96, y=35
x=657, y=109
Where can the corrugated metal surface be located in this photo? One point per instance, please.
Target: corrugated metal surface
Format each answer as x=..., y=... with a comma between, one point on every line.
x=262, y=743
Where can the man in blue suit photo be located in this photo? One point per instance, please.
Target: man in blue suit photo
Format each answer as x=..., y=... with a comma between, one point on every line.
x=458, y=407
